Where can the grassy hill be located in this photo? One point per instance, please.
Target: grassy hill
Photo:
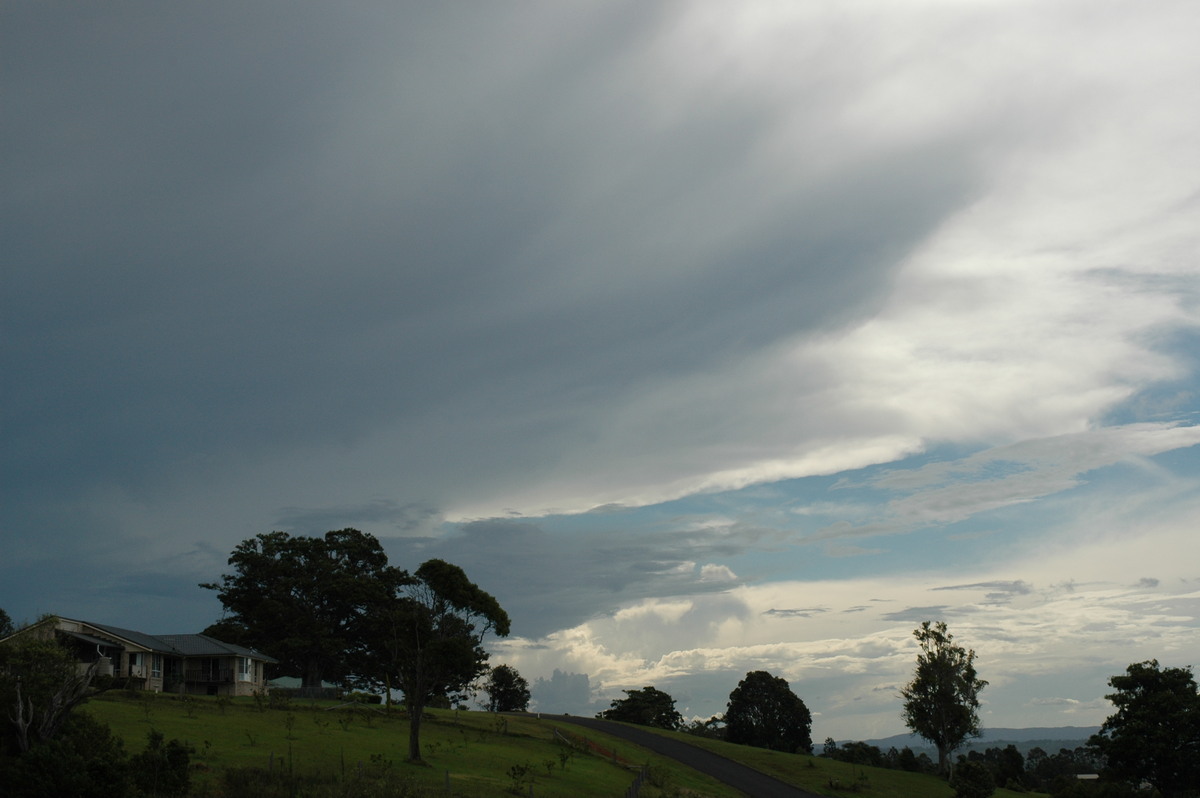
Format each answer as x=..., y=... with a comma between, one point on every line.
x=252, y=748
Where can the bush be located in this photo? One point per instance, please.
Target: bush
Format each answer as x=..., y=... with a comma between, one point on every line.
x=162, y=769
x=972, y=780
x=85, y=760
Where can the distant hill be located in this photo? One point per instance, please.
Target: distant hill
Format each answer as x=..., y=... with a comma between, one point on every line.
x=1049, y=739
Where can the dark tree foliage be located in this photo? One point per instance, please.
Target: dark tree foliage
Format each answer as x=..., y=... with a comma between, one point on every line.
x=765, y=713
x=427, y=638
x=40, y=684
x=713, y=728
x=1006, y=764
x=162, y=768
x=86, y=760
x=6, y=625
x=507, y=690
x=941, y=703
x=972, y=780
x=1155, y=733
x=645, y=707
x=304, y=600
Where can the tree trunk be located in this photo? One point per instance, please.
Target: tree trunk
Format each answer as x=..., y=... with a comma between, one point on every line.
x=312, y=676
x=415, y=710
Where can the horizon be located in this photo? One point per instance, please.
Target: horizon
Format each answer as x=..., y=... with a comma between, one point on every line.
x=706, y=339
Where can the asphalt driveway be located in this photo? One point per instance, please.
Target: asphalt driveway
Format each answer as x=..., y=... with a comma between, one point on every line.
x=750, y=781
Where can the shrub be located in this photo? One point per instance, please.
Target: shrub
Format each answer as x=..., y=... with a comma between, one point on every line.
x=972, y=780
x=162, y=769
x=85, y=760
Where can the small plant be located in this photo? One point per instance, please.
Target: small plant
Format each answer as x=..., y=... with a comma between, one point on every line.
x=565, y=756
x=260, y=701
x=519, y=774
x=321, y=723
x=189, y=705
x=345, y=720
x=223, y=702
x=289, y=723
x=162, y=769
x=549, y=765
x=253, y=738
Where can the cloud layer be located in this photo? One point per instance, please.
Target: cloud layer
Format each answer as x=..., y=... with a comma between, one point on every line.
x=686, y=329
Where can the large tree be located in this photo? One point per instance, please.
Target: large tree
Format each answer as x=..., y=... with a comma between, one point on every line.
x=40, y=684
x=305, y=600
x=764, y=712
x=507, y=690
x=427, y=638
x=941, y=703
x=646, y=707
x=1155, y=733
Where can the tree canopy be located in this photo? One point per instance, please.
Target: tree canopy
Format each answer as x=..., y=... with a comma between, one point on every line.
x=941, y=703
x=507, y=690
x=426, y=637
x=1155, y=733
x=765, y=713
x=304, y=600
x=40, y=684
x=645, y=707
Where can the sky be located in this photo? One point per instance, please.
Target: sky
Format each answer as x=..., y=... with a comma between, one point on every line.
x=708, y=337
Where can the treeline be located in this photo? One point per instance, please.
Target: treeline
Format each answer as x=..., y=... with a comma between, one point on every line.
x=1039, y=771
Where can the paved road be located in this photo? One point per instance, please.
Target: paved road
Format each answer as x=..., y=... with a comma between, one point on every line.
x=750, y=781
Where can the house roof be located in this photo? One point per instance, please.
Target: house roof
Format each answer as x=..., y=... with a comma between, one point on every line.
x=205, y=646
x=186, y=645
x=90, y=640
x=156, y=644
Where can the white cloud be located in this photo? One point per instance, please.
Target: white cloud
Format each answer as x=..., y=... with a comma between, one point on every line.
x=1073, y=613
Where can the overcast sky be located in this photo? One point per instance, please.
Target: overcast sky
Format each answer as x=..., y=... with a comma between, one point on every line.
x=709, y=337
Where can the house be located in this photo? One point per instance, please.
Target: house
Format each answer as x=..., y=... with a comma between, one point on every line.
x=185, y=664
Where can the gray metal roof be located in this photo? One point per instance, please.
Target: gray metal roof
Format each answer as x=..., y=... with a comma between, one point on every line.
x=175, y=645
x=156, y=644
x=205, y=646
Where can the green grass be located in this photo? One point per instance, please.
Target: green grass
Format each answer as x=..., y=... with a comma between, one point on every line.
x=478, y=750
x=829, y=777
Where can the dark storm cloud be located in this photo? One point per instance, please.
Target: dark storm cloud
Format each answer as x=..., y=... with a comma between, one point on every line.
x=243, y=230
x=548, y=582
x=406, y=518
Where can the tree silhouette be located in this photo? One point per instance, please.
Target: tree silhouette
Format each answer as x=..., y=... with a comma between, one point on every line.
x=764, y=712
x=507, y=690
x=305, y=600
x=646, y=707
x=1155, y=733
x=941, y=702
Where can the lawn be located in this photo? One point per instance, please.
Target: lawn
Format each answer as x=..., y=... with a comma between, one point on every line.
x=476, y=753
x=829, y=777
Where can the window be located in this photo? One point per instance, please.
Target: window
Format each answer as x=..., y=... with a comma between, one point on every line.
x=135, y=663
x=156, y=663
x=245, y=670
